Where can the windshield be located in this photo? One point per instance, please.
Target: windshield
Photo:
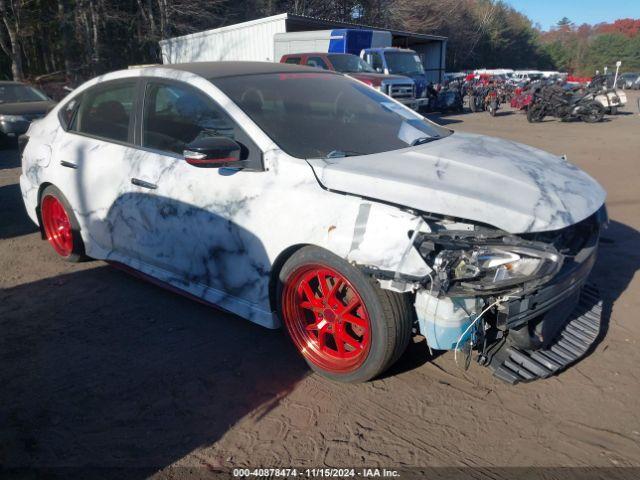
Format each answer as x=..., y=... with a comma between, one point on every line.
x=319, y=115
x=350, y=64
x=404, y=63
x=12, y=93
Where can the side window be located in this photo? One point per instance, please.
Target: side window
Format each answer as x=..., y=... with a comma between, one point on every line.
x=176, y=115
x=106, y=111
x=294, y=60
x=376, y=61
x=67, y=114
x=317, y=62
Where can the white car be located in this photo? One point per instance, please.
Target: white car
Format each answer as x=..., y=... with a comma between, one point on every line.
x=290, y=195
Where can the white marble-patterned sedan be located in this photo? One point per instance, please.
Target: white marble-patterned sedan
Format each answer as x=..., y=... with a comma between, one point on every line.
x=299, y=197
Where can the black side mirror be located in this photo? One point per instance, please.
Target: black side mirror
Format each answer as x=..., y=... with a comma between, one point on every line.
x=213, y=152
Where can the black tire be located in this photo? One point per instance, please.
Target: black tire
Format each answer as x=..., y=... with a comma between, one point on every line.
x=78, y=252
x=535, y=114
x=614, y=110
x=594, y=114
x=390, y=313
x=472, y=104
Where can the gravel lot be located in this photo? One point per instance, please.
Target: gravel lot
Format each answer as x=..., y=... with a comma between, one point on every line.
x=99, y=368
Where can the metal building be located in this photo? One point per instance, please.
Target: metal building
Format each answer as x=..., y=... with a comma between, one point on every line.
x=254, y=40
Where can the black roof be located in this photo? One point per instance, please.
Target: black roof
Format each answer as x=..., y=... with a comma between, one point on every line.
x=211, y=70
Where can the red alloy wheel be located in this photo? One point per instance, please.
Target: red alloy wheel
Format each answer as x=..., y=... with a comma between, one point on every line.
x=326, y=318
x=57, y=226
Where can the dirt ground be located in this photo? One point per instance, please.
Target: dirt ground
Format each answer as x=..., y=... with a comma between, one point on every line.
x=98, y=368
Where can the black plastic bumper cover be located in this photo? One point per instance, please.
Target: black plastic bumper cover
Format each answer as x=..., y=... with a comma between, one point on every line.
x=513, y=364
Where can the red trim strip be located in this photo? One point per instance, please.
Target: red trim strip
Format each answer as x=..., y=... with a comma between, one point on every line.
x=201, y=161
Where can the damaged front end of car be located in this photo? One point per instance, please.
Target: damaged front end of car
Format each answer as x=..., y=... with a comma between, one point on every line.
x=496, y=293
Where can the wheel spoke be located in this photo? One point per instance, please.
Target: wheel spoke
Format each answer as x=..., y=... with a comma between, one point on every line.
x=349, y=340
x=336, y=286
x=348, y=317
x=310, y=306
x=337, y=336
x=324, y=287
x=306, y=288
x=355, y=301
x=322, y=332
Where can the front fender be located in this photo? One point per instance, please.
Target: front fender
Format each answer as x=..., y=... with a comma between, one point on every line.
x=381, y=240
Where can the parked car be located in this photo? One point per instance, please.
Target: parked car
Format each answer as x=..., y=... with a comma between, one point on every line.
x=627, y=80
x=397, y=87
x=296, y=196
x=19, y=105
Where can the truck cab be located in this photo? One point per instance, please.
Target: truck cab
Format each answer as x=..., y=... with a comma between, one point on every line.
x=398, y=87
x=399, y=61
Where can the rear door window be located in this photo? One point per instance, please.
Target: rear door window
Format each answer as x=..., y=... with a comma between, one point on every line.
x=106, y=111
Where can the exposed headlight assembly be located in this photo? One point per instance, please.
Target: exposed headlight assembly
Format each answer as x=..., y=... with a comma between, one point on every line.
x=487, y=265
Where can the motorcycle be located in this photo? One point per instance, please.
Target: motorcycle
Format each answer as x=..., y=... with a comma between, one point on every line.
x=554, y=101
x=449, y=100
x=476, y=94
x=492, y=101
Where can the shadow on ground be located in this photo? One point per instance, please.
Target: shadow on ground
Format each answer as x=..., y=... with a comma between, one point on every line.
x=443, y=118
x=14, y=221
x=618, y=261
x=102, y=369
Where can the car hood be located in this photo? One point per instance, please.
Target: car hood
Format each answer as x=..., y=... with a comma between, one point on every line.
x=26, y=108
x=380, y=77
x=511, y=186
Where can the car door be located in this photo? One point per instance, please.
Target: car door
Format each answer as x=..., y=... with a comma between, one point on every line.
x=94, y=148
x=188, y=224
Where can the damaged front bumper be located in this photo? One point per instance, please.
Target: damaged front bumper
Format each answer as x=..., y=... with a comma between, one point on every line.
x=527, y=316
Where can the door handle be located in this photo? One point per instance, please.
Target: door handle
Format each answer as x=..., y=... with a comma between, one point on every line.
x=143, y=184
x=64, y=163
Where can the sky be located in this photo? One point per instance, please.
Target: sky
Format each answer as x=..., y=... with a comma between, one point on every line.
x=548, y=12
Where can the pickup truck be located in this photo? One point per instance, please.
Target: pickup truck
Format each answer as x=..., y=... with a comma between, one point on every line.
x=398, y=87
x=399, y=61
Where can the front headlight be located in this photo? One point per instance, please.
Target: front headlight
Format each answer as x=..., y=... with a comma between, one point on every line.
x=13, y=118
x=489, y=266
